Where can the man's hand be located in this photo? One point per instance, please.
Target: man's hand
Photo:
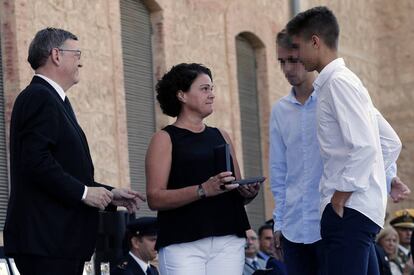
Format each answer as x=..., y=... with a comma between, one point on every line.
x=98, y=197
x=131, y=200
x=399, y=191
x=338, y=201
x=276, y=239
x=278, y=245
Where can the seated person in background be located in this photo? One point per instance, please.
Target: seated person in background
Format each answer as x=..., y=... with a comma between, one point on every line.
x=387, y=239
x=141, y=235
x=403, y=223
x=383, y=263
x=252, y=262
x=267, y=249
x=266, y=243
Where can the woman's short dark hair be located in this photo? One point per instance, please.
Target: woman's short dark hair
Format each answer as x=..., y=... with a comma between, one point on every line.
x=318, y=20
x=179, y=78
x=43, y=43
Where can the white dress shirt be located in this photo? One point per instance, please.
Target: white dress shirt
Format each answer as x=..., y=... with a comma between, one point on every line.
x=351, y=133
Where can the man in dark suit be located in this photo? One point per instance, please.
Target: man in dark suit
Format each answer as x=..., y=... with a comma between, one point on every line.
x=252, y=262
x=267, y=250
x=140, y=237
x=53, y=209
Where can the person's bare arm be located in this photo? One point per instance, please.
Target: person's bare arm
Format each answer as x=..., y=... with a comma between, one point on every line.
x=338, y=201
x=158, y=166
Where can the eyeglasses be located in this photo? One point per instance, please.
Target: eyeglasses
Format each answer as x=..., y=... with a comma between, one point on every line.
x=77, y=52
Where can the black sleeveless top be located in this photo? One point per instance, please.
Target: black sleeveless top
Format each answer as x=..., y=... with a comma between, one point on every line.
x=192, y=164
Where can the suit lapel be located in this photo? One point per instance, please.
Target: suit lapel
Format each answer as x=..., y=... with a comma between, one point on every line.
x=249, y=267
x=134, y=267
x=75, y=124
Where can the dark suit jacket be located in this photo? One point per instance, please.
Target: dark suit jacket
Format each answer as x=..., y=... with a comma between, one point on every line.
x=129, y=266
x=249, y=269
x=50, y=164
x=276, y=267
x=412, y=244
x=383, y=262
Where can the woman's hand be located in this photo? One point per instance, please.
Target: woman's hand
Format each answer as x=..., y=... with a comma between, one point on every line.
x=219, y=184
x=249, y=191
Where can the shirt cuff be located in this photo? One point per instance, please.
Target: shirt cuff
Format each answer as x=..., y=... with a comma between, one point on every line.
x=277, y=226
x=85, y=192
x=390, y=174
x=346, y=184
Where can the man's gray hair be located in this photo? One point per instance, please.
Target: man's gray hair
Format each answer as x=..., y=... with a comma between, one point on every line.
x=43, y=43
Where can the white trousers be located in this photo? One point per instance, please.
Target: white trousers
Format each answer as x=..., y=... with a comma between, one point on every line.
x=208, y=256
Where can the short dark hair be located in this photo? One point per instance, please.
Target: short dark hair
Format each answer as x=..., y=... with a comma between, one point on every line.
x=318, y=20
x=263, y=228
x=283, y=40
x=179, y=78
x=127, y=241
x=43, y=43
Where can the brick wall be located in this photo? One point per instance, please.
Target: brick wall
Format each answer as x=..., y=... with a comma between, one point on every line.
x=376, y=41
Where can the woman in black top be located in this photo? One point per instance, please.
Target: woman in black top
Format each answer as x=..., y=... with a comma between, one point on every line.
x=200, y=213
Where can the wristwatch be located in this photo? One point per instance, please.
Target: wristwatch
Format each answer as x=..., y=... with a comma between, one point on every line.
x=200, y=191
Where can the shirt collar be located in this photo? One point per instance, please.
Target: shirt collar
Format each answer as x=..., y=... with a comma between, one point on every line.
x=56, y=86
x=144, y=266
x=403, y=249
x=263, y=255
x=292, y=98
x=327, y=71
x=250, y=260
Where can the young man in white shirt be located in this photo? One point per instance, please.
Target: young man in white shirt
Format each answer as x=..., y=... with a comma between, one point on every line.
x=357, y=145
x=296, y=167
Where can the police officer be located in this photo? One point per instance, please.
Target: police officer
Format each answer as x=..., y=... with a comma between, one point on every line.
x=141, y=235
x=404, y=225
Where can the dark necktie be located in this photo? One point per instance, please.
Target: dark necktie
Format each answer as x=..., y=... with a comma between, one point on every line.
x=71, y=113
x=255, y=265
x=149, y=271
x=69, y=109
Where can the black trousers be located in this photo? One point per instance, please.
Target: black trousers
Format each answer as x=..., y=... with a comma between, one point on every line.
x=349, y=242
x=38, y=265
x=303, y=259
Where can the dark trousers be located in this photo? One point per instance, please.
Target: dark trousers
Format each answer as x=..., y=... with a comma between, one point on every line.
x=37, y=265
x=349, y=242
x=303, y=259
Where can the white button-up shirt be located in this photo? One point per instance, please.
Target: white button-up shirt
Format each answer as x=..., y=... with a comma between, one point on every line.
x=354, y=138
